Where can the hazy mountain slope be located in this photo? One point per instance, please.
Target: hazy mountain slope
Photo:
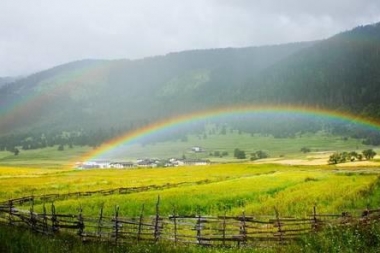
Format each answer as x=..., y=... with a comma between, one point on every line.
x=45, y=99
x=8, y=79
x=340, y=72
x=4, y=80
x=97, y=93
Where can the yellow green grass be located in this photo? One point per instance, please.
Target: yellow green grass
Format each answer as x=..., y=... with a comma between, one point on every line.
x=18, y=181
x=254, y=188
x=290, y=192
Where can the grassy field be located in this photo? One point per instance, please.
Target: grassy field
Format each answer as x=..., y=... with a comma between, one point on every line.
x=210, y=190
x=255, y=188
x=275, y=147
x=229, y=186
x=284, y=148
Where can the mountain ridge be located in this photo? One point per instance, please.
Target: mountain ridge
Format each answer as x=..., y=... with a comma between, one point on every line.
x=148, y=86
x=341, y=72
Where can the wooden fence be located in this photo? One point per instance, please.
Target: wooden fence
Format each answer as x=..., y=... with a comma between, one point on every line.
x=103, y=192
x=224, y=230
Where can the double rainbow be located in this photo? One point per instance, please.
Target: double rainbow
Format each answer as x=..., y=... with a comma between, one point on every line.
x=174, y=122
x=25, y=106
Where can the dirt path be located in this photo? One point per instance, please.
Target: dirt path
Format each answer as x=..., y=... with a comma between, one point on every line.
x=317, y=158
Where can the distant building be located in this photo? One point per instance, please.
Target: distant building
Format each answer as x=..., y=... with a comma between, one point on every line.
x=197, y=149
x=173, y=162
x=122, y=165
x=147, y=163
x=94, y=165
x=196, y=162
x=141, y=163
x=87, y=165
x=104, y=165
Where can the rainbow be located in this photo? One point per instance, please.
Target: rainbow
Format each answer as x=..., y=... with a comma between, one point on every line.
x=22, y=108
x=172, y=123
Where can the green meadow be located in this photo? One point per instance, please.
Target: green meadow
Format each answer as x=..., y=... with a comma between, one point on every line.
x=229, y=185
x=256, y=189
x=275, y=147
x=216, y=189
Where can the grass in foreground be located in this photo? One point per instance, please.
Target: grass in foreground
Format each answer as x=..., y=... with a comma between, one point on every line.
x=18, y=240
x=356, y=238
x=292, y=193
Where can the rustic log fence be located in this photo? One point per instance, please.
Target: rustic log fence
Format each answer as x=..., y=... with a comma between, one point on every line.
x=103, y=192
x=240, y=231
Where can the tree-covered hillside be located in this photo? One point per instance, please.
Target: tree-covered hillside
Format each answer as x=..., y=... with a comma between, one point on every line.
x=342, y=72
x=97, y=93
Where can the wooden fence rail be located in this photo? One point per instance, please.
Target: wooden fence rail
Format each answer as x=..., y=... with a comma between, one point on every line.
x=243, y=230
x=105, y=192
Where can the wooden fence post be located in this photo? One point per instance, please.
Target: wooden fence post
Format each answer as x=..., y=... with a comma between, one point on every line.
x=198, y=227
x=10, y=214
x=80, y=224
x=242, y=230
x=366, y=212
x=156, y=223
x=175, y=224
x=100, y=223
x=140, y=223
x=315, y=220
x=116, y=226
x=32, y=218
x=280, y=232
x=45, y=220
x=224, y=228
x=54, y=219
x=365, y=215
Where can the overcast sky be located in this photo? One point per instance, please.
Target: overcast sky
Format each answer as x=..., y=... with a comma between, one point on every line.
x=39, y=34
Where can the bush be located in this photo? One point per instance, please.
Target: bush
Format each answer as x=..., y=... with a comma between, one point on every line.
x=239, y=154
x=369, y=154
x=259, y=155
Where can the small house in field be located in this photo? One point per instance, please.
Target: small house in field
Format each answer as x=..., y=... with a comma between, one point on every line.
x=94, y=165
x=173, y=162
x=87, y=165
x=196, y=162
x=122, y=165
x=103, y=164
x=147, y=163
x=196, y=149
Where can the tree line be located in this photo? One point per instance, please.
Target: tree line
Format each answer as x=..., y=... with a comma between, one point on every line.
x=29, y=141
x=343, y=157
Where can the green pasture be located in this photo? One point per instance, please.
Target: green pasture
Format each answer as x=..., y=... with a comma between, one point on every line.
x=49, y=157
x=291, y=192
x=274, y=147
x=214, y=189
x=229, y=186
x=18, y=181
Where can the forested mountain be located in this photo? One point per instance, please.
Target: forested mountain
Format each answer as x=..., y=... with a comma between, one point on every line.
x=340, y=72
x=98, y=93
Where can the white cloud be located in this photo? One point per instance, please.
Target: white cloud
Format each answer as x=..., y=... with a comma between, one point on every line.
x=39, y=34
